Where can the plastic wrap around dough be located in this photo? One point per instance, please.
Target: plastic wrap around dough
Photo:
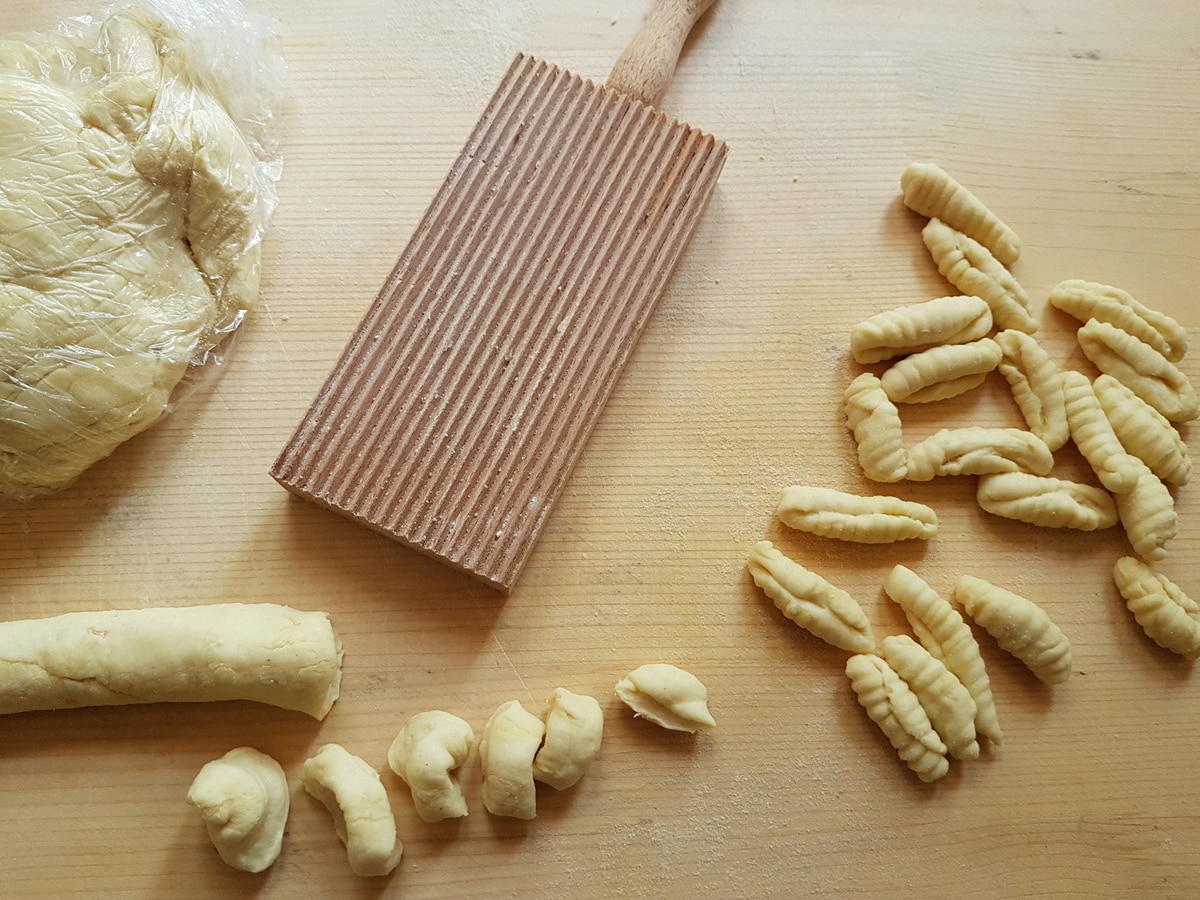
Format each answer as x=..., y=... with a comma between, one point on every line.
x=224, y=651
x=138, y=179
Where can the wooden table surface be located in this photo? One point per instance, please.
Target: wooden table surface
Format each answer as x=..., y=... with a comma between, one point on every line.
x=1077, y=122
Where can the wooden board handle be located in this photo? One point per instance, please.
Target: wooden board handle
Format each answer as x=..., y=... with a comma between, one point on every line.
x=644, y=69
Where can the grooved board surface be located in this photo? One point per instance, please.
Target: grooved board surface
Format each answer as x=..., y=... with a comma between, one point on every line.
x=456, y=413
x=1075, y=121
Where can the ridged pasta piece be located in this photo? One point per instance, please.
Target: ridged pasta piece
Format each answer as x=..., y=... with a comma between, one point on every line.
x=1169, y=617
x=1093, y=435
x=1036, y=386
x=941, y=630
x=892, y=706
x=946, y=700
x=919, y=326
x=1143, y=431
x=1091, y=300
x=850, y=517
x=932, y=192
x=810, y=601
x=976, y=450
x=1147, y=511
x=1140, y=368
x=940, y=372
x=1047, y=502
x=970, y=267
x=875, y=422
x=1019, y=626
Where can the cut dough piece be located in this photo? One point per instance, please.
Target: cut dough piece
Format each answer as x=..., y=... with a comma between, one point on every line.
x=223, y=651
x=510, y=741
x=942, y=631
x=810, y=601
x=946, y=701
x=358, y=802
x=1036, y=386
x=1169, y=617
x=941, y=372
x=1143, y=431
x=1019, y=626
x=970, y=267
x=875, y=422
x=668, y=696
x=243, y=797
x=849, y=517
x=1093, y=435
x=574, y=729
x=932, y=192
x=425, y=754
x=1091, y=300
x=976, y=450
x=130, y=225
x=1140, y=368
x=1047, y=502
x=910, y=329
x=892, y=706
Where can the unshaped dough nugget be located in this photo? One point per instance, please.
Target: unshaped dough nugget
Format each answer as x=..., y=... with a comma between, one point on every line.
x=243, y=797
x=1091, y=300
x=976, y=450
x=358, y=802
x=1168, y=616
x=574, y=729
x=934, y=193
x=1094, y=436
x=221, y=651
x=1144, y=431
x=667, y=696
x=970, y=267
x=1047, y=502
x=946, y=701
x=849, y=517
x=1141, y=368
x=941, y=372
x=425, y=754
x=810, y=601
x=896, y=710
x=941, y=630
x=875, y=422
x=510, y=741
x=1148, y=514
x=1036, y=386
x=909, y=329
x=1019, y=626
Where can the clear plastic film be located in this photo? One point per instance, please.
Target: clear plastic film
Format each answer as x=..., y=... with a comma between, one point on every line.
x=138, y=173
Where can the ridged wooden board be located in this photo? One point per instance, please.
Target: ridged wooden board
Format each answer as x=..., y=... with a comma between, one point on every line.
x=454, y=416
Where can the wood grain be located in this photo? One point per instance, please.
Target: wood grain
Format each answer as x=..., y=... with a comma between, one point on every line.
x=1075, y=123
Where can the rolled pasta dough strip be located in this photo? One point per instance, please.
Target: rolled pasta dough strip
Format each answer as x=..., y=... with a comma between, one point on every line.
x=227, y=651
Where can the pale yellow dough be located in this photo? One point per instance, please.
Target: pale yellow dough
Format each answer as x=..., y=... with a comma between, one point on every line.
x=1091, y=300
x=425, y=754
x=941, y=630
x=1169, y=617
x=352, y=791
x=1144, y=431
x=810, y=601
x=223, y=651
x=1147, y=512
x=128, y=237
x=668, y=696
x=1019, y=625
x=1141, y=368
x=574, y=729
x=940, y=372
x=909, y=329
x=947, y=702
x=1047, y=502
x=978, y=450
x=931, y=191
x=243, y=798
x=875, y=422
x=1036, y=386
x=851, y=517
x=892, y=706
x=510, y=741
x=1094, y=437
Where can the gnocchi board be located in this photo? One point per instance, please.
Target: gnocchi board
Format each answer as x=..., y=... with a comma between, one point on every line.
x=1076, y=124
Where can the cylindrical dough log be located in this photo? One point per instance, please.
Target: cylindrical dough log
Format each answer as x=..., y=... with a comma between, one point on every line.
x=226, y=651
